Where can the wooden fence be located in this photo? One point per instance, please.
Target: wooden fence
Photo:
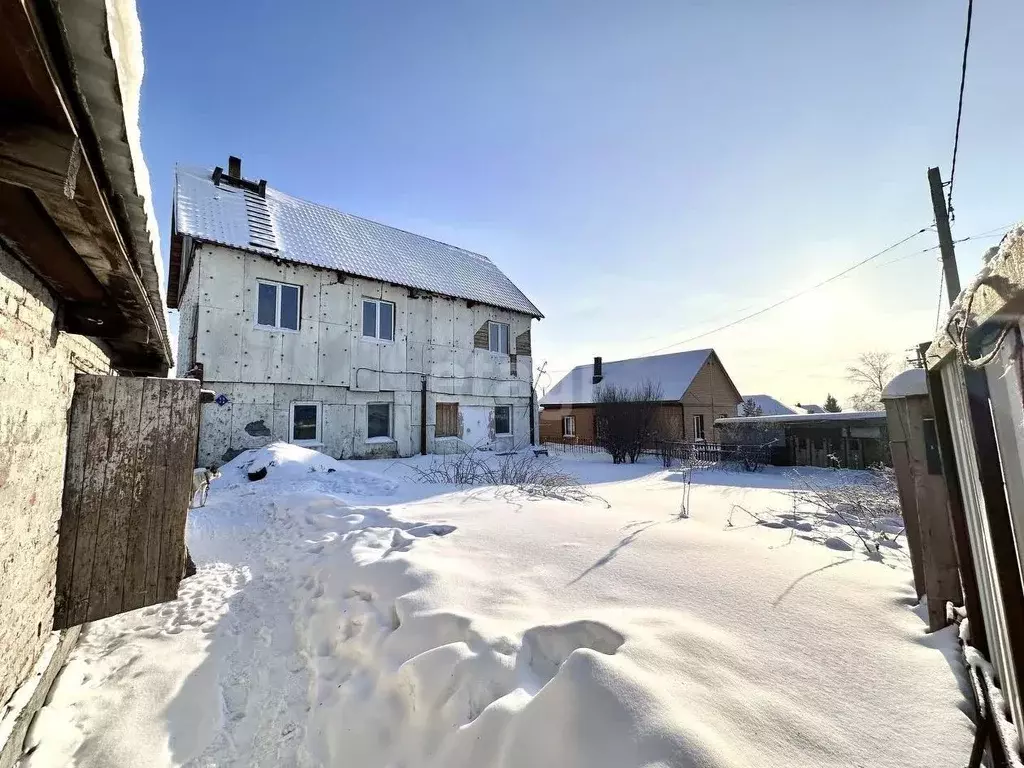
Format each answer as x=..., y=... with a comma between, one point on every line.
x=699, y=455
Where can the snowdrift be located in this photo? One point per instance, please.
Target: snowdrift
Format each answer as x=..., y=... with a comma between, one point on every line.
x=344, y=616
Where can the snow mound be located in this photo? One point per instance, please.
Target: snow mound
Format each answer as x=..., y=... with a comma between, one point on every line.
x=284, y=462
x=911, y=383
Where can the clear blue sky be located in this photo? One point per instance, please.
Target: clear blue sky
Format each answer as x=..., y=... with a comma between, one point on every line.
x=644, y=171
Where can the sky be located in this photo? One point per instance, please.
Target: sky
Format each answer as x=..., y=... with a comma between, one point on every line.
x=645, y=172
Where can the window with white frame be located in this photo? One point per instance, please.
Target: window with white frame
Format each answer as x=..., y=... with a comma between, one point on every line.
x=503, y=419
x=497, y=337
x=378, y=420
x=277, y=305
x=378, y=320
x=305, y=423
x=698, y=426
x=569, y=426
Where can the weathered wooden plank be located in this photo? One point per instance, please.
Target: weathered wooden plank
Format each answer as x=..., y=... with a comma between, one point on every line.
x=155, y=507
x=119, y=487
x=91, y=505
x=942, y=576
x=181, y=446
x=140, y=508
x=74, y=480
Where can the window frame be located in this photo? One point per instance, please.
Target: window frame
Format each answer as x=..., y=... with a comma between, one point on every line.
x=508, y=337
x=567, y=430
x=276, y=285
x=510, y=427
x=699, y=435
x=362, y=320
x=318, y=440
x=391, y=423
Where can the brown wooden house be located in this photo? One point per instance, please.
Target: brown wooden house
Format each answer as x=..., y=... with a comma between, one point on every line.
x=695, y=387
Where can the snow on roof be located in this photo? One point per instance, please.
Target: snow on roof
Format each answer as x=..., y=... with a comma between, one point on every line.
x=907, y=384
x=806, y=417
x=999, y=283
x=109, y=76
x=309, y=233
x=673, y=372
x=769, y=406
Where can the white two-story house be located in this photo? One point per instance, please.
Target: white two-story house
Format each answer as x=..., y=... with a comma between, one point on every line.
x=332, y=331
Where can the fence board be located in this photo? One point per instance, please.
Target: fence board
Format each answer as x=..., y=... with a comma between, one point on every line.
x=118, y=489
x=178, y=485
x=146, y=496
x=91, y=507
x=74, y=476
x=131, y=446
x=155, y=530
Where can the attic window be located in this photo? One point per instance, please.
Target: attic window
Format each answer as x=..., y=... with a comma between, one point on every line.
x=497, y=337
x=277, y=306
x=378, y=320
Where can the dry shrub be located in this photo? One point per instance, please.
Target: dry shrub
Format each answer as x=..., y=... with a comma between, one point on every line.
x=521, y=472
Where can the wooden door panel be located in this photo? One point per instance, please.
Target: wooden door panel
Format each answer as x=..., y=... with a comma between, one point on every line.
x=127, y=485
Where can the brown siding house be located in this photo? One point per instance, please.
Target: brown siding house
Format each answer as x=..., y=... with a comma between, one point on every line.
x=695, y=387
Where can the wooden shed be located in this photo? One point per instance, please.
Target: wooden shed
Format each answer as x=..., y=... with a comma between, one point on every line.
x=913, y=440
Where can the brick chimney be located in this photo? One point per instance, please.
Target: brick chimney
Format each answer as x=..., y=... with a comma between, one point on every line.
x=235, y=167
x=598, y=373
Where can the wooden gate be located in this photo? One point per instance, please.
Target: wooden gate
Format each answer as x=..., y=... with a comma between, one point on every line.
x=127, y=486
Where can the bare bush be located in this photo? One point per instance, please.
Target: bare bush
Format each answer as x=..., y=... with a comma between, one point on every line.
x=749, y=445
x=864, y=505
x=627, y=419
x=520, y=471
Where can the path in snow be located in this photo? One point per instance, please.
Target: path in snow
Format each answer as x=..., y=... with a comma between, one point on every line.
x=331, y=625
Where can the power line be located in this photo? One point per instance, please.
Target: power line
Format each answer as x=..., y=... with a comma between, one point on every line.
x=938, y=309
x=959, y=109
x=979, y=236
x=793, y=296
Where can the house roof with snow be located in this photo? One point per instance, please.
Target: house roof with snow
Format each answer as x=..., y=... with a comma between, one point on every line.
x=258, y=218
x=770, y=406
x=673, y=373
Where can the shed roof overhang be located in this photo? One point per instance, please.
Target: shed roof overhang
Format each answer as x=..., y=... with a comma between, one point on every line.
x=993, y=299
x=69, y=207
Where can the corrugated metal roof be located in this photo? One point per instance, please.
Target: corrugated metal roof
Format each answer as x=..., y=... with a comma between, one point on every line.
x=674, y=373
x=313, y=234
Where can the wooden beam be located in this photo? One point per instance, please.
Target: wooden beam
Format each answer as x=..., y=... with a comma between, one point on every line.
x=39, y=158
x=37, y=241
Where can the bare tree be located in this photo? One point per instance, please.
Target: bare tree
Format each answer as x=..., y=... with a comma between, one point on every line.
x=627, y=419
x=872, y=371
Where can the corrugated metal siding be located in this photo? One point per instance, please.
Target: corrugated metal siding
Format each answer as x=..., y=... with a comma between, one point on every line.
x=980, y=534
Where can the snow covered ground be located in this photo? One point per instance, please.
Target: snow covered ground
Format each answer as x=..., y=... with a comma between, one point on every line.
x=346, y=615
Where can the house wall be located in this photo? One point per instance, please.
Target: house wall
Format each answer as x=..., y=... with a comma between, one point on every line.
x=551, y=423
x=712, y=395
x=37, y=369
x=669, y=423
x=328, y=361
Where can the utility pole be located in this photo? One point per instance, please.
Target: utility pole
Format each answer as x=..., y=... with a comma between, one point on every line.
x=945, y=236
